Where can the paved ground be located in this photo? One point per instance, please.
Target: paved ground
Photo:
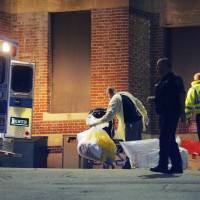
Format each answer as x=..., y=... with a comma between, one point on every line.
x=96, y=184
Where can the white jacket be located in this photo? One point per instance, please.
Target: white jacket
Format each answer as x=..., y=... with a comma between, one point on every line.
x=115, y=107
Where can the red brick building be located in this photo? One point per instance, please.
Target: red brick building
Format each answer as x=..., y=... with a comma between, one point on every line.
x=111, y=55
x=81, y=47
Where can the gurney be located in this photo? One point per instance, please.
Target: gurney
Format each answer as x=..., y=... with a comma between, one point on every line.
x=6, y=148
x=4, y=153
x=115, y=156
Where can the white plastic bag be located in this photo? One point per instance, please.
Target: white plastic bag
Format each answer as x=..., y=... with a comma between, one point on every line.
x=142, y=153
x=145, y=153
x=95, y=144
x=91, y=119
x=139, y=146
x=184, y=156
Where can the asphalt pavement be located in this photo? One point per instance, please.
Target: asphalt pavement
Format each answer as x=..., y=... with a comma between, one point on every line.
x=97, y=184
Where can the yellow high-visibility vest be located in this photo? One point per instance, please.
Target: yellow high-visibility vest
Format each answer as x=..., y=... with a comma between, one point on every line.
x=192, y=101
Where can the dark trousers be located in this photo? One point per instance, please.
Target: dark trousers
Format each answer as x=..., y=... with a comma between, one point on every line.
x=198, y=125
x=133, y=131
x=168, y=147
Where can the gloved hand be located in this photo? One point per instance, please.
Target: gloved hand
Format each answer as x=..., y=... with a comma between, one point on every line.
x=150, y=99
x=95, y=122
x=146, y=120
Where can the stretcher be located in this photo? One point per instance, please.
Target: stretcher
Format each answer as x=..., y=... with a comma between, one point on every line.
x=6, y=148
x=94, y=154
x=4, y=153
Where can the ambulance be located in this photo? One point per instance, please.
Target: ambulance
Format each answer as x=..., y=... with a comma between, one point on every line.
x=16, y=92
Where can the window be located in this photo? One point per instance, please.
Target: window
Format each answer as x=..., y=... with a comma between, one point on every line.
x=70, y=62
x=22, y=79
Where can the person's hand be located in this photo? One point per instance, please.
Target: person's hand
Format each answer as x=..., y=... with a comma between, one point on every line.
x=146, y=120
x=150, y=99
x=93, y=124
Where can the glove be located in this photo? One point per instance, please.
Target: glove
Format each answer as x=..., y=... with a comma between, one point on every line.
x=95, y=122
x=146, y=120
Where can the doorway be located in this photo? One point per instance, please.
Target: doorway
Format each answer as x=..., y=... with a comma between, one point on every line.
x=185, y=52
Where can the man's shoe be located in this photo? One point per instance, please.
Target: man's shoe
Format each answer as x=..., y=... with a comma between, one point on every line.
x=175, y=171
x=160, y=170
x=127, y=165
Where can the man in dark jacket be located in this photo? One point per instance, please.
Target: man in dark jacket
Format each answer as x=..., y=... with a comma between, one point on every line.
x=169, y=103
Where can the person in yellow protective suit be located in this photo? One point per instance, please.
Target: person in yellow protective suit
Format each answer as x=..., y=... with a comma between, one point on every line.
x=192, y=101
x=131, y=114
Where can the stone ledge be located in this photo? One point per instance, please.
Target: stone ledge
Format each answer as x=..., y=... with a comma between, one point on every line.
x=64, y=116
x=14, y=6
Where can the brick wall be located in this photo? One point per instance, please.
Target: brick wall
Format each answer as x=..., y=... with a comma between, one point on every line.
x=32, y=32
x=161, y=46
x=147, y=44
x=139, y=58
x=4, y=24
x=158, y=50
x=139, y=67
x=123, y=45
x=111, y=64
x=145, y=27
x=109, y=61
x=109, y=53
